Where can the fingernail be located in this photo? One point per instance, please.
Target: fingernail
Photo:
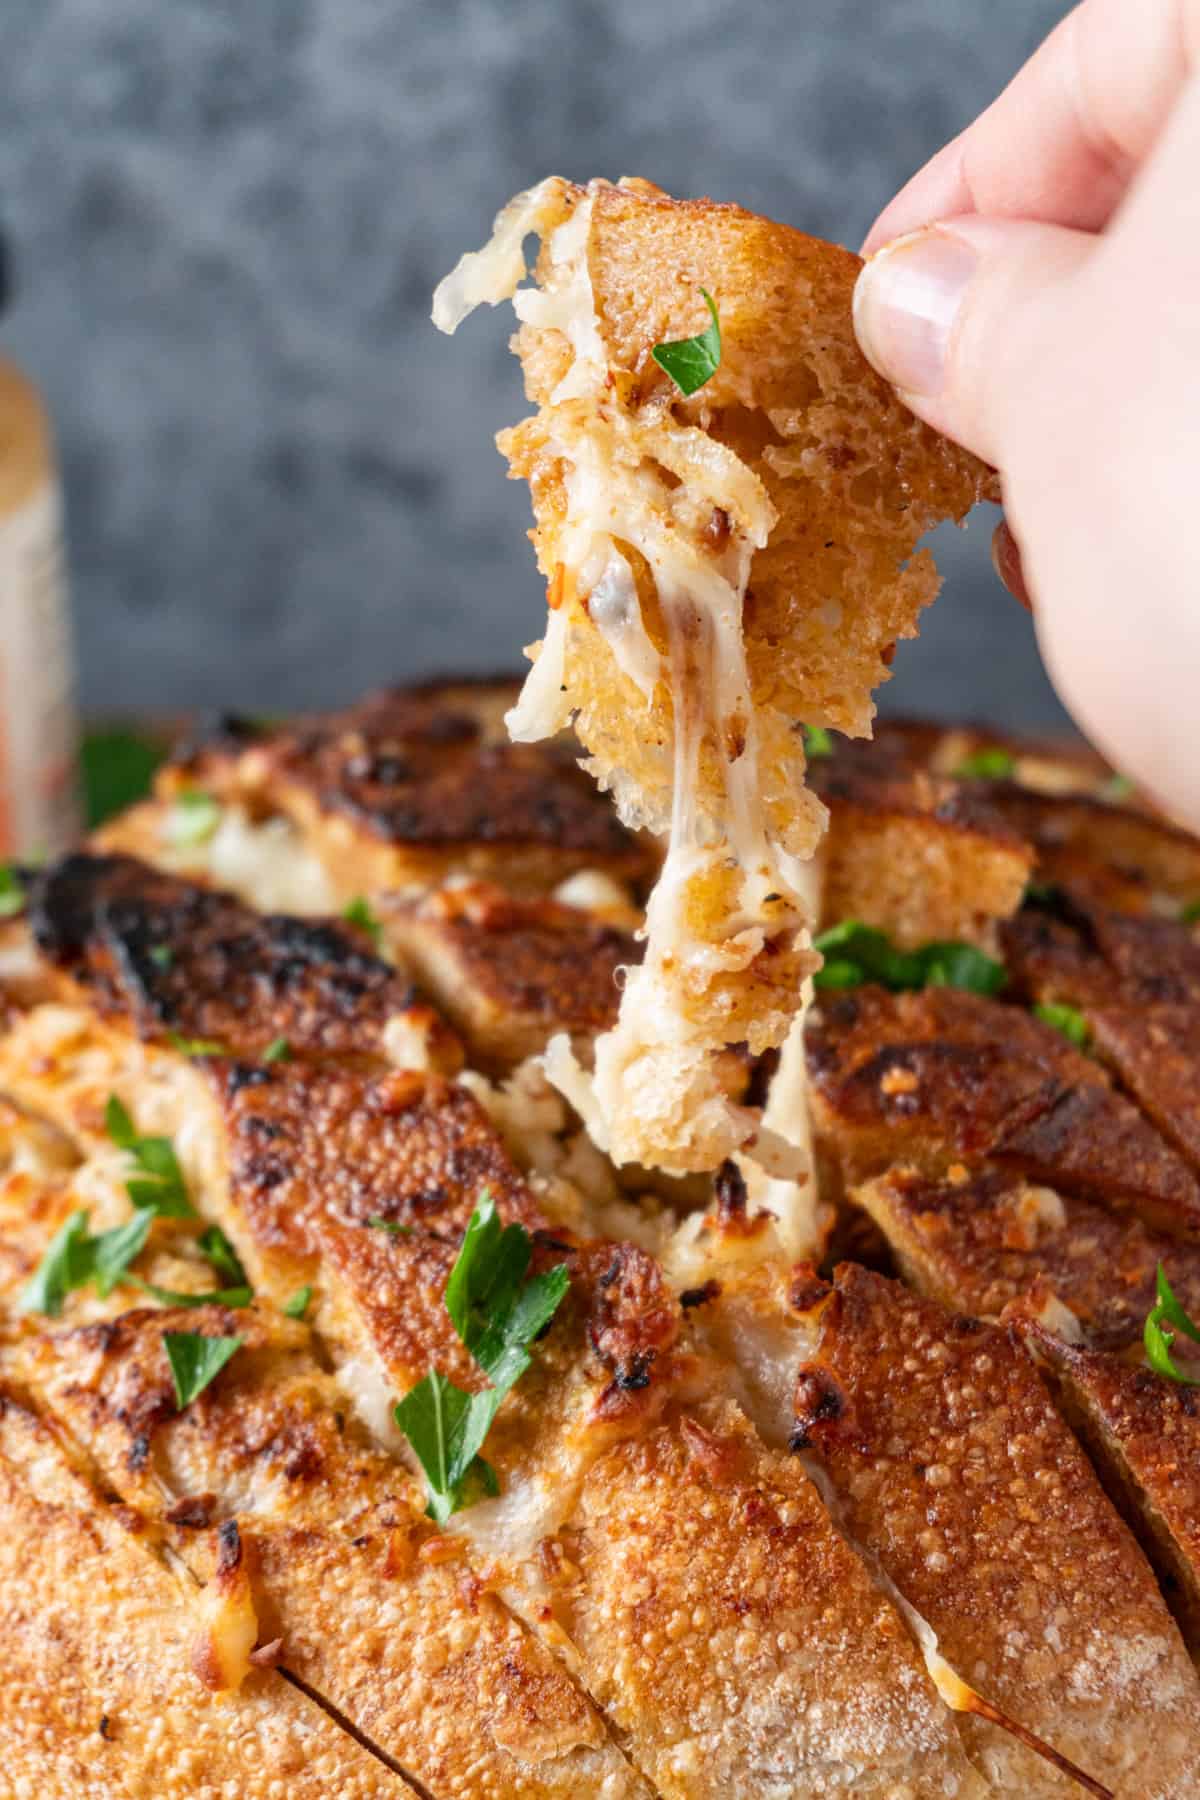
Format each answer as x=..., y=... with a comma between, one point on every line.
x=905, y=303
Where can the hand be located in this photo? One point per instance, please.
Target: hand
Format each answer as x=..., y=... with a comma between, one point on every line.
x=1035, y=293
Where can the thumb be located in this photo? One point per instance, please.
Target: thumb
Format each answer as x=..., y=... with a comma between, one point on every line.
x=966, y=319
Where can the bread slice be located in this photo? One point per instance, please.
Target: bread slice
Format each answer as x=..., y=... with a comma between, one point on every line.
x=722, y=567
x=983, y=1511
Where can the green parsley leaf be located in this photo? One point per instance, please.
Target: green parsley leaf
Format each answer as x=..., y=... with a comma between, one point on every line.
x=690, y=362
x=216, y=1248
x=230, y=1296
x=994, y=764
x=297, y=1305
x=118, y=768
x=1190, y=913
x=193, y=818
x=1117, y=787
x=1067, y=1019
x=160, y=1185
x=73, y=1258
x=1158, y=1337
x=393, y=1226
x=113, y=1251
x=195, y=1360
x=12, y=891
x=196, y=1046
x=67, y=1264
x=278, y=1050
x=498, y=1311
x=161, y=955
x=817, y=742
x=866, y=954
x=359, y=913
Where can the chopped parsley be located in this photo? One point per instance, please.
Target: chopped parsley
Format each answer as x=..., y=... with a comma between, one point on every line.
x=12, y=891
x=187, y=1046
x=159, y=1184
x=278, y=1050
x=230, y=1296
x=195, y=1360
x=216, y=1248
x=498, y=1310
x=1158, y=1336
x=378, y=1223
x=993, y=764
x=162, y=956
x=1190, y=913
x=690, y=362
x=193, y=818
x=359, y=913
x=856, y=953
x=297, y=1305
x=817, y=742
x=74, y=1257
x=1117, y=787
x=1067, y=1019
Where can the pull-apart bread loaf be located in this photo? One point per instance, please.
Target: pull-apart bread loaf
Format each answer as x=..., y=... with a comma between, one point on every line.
x=726, y=564
x=366, y=1427
x=855, y=1488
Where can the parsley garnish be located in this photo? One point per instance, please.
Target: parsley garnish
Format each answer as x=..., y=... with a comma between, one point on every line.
x=160, y=1185
x=1117, y=787
x=187, y=1046
x=73, y=1258
x=817, y=742
x=195, y=1360
x=297, y=1305
x=986, y=765
x=498, y=1310
x=378, y=1223
x=1067, y=1019
x=60, y=1269
x=865, y=954
x=690, y=362
x=230, y=1296
x=1158, y=1338
x=161, y=955
x=359, y=913
x=216, y=1248
x=278, y=1050
x=12, y=891
x=193, y=818
x=1190, y=913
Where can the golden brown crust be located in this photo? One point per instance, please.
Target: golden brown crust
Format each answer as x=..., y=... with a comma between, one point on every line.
x=981, y=1508
x=981, y=1241
x=942, y=1076
x=509, y=972
x=357, y=1593
x=1144, y=1433
x=97, y=1699
x=917, y=855
x=168, y=959
x=401, y=787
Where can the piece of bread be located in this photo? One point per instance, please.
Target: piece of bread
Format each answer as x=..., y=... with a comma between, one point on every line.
x=732, y=1502
x=724, y=567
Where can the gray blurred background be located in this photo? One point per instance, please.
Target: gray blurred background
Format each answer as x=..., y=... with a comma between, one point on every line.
x=228, y=216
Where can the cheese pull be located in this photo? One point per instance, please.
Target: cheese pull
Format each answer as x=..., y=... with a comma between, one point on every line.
x=723, y=565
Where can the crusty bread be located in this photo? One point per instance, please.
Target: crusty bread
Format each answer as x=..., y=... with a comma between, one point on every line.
x=733, y=1500
x=724, y=566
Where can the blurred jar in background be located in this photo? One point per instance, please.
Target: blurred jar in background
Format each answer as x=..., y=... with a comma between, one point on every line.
x=39, y=793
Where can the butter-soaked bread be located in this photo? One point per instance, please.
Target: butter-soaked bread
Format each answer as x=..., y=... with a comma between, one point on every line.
x=723, y=567
x=794, y=438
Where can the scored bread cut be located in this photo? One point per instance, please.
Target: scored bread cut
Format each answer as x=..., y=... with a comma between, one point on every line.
x=723, y=569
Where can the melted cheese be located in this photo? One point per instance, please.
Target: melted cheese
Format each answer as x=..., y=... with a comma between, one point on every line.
x=657, y=1093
